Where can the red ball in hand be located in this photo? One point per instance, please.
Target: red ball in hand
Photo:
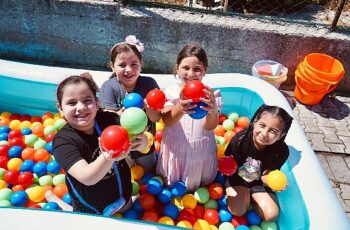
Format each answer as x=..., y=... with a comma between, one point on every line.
x=227, y=165
x=156, y=99
x=193, y=90
x=115, y=138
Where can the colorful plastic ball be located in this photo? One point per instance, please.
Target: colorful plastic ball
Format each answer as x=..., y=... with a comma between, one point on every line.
x=133, y=100
x=254, y=227
x=36, y=194
x=14, y=163
x=277, y=180
x=135, y=188
x=171, y=210
x=45, y=180
x=15, y=152
x=222, y=118
x=253, y=218
x=115, y=138
x=225, y=215
x=226, y=226
x=25, y=117
x=134, y=120
x=3, y=184
x=37, y=129
x=193, y=90
x=150, y=141
x=19, y=198
x=131, y=214
x=26, y=131
x=2, y=173
x=146, y=177
x=4, y=129
x=154, y=187
x=227, y=165
x=166, y=220
x=51, y=206
x=137, y=172
x=39, y=144
x=189, y=201
x=67, y=198
x=219, y=131
x=242, y=122
x=242, y=227
x=233, y=117
x=11, y=176
x=59, y=123
x=147, y=201
x=199, y=210
x=211, y=216
x=59, y=179
x=28, y=153
x=4, y=149
x=60, y=190
x=184, y=224
x=17, y=141
x=158, y=136
x=53, y=167
x=201, y=225
x=165, y=196
x=5, y=194
x=211, y=204
x=179, y=189
x=268, y=225
x=188, y=214
x=156, y=99
x=50, y=129
x=15, y=124
x=3, y=136
x=25, y=179
x=150, y=216
x=137, y=206
x=201, y=195
x=3, y=162
x=41, y=155
x=40, y=168
x=239, y=220
x=216, y=191
x=49, y=137
x=49, y=147
x=199, y=113
x=4, y=121
x=228, y=125
x=15, y=116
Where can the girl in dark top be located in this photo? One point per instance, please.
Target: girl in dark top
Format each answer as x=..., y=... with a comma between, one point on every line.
x=258, y=150
x=97, y=183
x=126, y=63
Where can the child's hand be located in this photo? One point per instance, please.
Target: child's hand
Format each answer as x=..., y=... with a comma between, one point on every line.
x=209, y=100
x=139, y=142
x=186, y=106
x=108, y=155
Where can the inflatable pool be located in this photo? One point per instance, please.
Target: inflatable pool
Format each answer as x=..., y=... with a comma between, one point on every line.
x=309, y=202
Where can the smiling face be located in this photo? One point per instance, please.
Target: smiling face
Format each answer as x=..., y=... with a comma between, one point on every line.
x=79, y=107
x=127, y=66
x=267, y=130
x=190, y=68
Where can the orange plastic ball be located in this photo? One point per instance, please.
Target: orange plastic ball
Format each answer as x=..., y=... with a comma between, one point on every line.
x=137, y=172
x=219, y=131
x=47, y=115
x=220, y=151
x=243, y=122
x=228, y=136
x=28, y=153
x=38, y=129
x=4, y=121
x=147, y=201
x=151, y=216
x=60, y=190
x=41, y=155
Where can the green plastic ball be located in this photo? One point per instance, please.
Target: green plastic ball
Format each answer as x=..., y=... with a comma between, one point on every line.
x=49, y=129
x=30, y=139
x=134, y=120
x=59, y=179
x=135, y=188
x=233, y=117
x=254, y=227
x=2, y=173
x=39, y=144
x=5, y=194
x=268, y=225
x=212, y=204
x=226, y=226
x=59, y=123
x=5, y=203
x=202, y=195
x=45, y=180
x=228, y=124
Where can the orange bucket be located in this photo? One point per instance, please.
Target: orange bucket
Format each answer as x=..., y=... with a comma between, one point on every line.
x=325, y=67
x=307, y=82
x=306, y=97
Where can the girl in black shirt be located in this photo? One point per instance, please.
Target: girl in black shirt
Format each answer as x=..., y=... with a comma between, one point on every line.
x=258, y=150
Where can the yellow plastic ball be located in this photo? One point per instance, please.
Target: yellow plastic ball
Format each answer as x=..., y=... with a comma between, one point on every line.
x=220, y=151
x=49, y=121
x=3, y=184
x=166, y=220
x=14, y=164
x=137, y=172
x=25, y=124
x=36, y=194
x=277, y=180
x=15, y=125
x=6, y=114
x=201, y=225
x=159, y=126
x=184, y=224
x=189, y=201
x=213, y=227
x=177, y=201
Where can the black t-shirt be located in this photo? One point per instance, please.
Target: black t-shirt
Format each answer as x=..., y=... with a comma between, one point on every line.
x=253, y=162
x=71, y=145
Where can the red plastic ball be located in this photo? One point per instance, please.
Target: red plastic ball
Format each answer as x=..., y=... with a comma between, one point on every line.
x=147, y=201
x=188, y=214
x=216, y=191
x=156, y=99
x=158, y=136
x=212, y=216
x=193, y=90
x=17, y=141
x=237, y=129
x=227, y=165
x=14, y=133
x=222, y=118
x=15, y=116
x=239, y=220
x=4, y=149
x=11, y=176
x=200, y=211
x=26, y=179
x=151, y=216
x=115, y=138
x=49, y=137
x=3, y=161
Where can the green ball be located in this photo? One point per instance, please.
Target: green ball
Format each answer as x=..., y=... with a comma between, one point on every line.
x=45, y=180
x=30, y=139
x=60, y=123
x=36, y=179
x=49, y=129
x=228, y=124
x=268, y=225
x=201, y=195
x=226, y=226
x=39, y=144
x=254, y=227
x=211, y=204
x=233, y=117
x=2, y=173
x=135, y=188
x=5, y=203
x=5, y=194
x=221, y=140
x=134, y=120
x=59, y=179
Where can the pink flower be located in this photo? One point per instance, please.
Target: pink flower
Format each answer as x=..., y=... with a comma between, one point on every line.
x=132, y=40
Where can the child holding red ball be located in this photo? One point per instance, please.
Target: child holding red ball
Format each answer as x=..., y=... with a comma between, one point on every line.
x=188, y=148
x=259, y=149
x=97, y=182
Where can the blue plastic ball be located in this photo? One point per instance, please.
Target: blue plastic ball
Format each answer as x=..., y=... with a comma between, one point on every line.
x=253, y=218
x=179, y=189
x=4, y=136
x=53, y=167
x=225, y=215
x=15, y=152
x=146, y=178
x=220, y=178
x=199, y=112
x=26, y=131
x=171, y=210
x=133, y=100
x=137, y=206
x=51, y=206
x=49, y=147
x=154, y=187
x=40, y=168
x=222, y=202
x=66, y=198
x=242, y=227
x=165, y=196
x=27, y=166
x=131, y=214
x=19, y=198
x=5, y=129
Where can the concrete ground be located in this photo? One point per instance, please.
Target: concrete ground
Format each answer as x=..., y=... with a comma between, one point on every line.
x=327, y=127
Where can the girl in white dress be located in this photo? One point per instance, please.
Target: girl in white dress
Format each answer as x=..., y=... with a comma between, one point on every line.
x=188, y=149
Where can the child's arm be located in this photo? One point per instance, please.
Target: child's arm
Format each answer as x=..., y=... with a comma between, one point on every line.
x=172, y=114
x=212, y=118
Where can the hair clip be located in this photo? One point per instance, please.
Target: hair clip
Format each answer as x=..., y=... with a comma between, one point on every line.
x=132, y=40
